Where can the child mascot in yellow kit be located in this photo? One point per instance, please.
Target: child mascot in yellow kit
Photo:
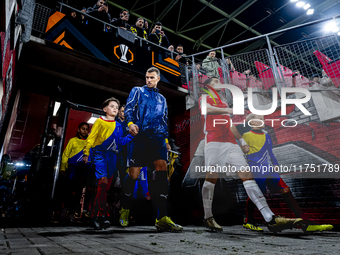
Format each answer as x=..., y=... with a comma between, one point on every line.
x=105, y=136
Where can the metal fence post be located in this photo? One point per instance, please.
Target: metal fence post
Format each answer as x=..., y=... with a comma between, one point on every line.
x=277, y=78
x=226, y=78
x=223, y=65
x=187, y=76
x=60, y=149
x=194, y=79
x=281, y=74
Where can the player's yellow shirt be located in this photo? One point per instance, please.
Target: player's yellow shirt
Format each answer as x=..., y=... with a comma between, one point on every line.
x=101, y=130
x=254, y=140
x=74, y=146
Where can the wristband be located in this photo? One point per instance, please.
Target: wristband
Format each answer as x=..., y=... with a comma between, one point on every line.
x=130, y=123
x=243, y=142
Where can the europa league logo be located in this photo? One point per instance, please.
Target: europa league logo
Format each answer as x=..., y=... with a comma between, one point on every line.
x=125, y=55
x=123, y=49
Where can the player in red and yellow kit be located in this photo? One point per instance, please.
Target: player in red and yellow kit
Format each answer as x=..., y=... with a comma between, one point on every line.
x=221, y=150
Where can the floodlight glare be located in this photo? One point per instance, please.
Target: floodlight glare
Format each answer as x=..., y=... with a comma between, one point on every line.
x=300, y=4
x=335, y=29
x=331, y=26
x=338, y=33
x=310, y=11
x=306, y=6
x=293, y=1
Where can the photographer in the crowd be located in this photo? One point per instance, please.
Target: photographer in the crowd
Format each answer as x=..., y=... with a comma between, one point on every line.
x=100, y=11
x=158, y=36
x=122, y=20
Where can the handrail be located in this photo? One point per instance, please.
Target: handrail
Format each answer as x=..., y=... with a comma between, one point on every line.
x=267, y=35
x=105, y=23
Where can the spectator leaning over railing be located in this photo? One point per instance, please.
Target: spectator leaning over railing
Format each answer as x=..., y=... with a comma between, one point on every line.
x=181, y=56
x=157, y=36
x=138, y=28
x=211, y=65
x=122, y=20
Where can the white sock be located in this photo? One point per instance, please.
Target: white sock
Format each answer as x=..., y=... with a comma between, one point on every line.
x=256, y=195
x=207, y=197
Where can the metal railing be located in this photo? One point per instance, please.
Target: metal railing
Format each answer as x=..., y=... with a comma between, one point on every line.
x=298, y=64
x=42, y=14
x=292, y=65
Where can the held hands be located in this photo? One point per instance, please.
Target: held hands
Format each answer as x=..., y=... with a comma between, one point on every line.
x=85, y=159
x=244, y=146
x=133, y=129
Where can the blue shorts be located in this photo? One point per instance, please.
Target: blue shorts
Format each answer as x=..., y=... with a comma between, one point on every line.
x=145, y=149
x=78, y=171
x=271, y=180
x=105, y=163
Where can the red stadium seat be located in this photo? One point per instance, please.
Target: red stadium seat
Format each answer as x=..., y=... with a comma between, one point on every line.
x=220, y=72
x=238, y=79
x=290, y=78
x=253, y=83
x=287, y=75
x=266, y=75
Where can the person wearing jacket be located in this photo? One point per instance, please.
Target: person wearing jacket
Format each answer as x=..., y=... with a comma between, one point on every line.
x=211, y=65
x=99, y=11
x=146, y=113
x=158, y=36
x=122, y=20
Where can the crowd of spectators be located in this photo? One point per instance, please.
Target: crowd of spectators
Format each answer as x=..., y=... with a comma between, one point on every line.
x=100, y=11
x=155, y=34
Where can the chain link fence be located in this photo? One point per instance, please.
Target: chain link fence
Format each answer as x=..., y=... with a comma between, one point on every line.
x=310, y=62
x=40, y=19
